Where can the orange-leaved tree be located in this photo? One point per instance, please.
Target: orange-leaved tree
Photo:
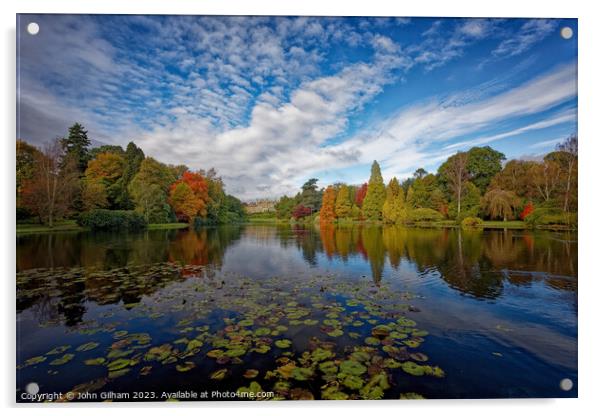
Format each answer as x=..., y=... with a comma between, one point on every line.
x=327, y=212
x=189, y=196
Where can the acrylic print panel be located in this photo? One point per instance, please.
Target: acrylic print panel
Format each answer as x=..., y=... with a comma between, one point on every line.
x=261, y=208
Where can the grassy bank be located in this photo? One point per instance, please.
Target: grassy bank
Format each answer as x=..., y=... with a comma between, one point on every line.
x=61, y=226
x=169, y=226
x=71, y=226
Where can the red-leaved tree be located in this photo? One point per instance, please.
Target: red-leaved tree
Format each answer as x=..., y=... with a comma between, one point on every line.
x=301, y=211
x=361, y=194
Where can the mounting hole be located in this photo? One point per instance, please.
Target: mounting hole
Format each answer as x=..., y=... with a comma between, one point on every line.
x=32, y=388
x=566, y=384
x=566, y=32
x=33, y=28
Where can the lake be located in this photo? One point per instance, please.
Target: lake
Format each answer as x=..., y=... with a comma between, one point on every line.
x=299, y=312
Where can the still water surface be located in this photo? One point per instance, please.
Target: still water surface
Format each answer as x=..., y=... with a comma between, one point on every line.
x=337, y=312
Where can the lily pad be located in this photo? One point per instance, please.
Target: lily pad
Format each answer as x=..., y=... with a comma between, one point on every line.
x=353, y=382
x=352, y=367
x=251, y=373
x=87, y=346
x=118, y=364
x=186, y=366
x=335, y=333
x=412, y=368
x=63, y=360
x=301, y=394
x=215, y=353
x=58, y=350
x=283, y=343
x=333, y=393
x=321, y=354
x=194, y=344
x=35, y=360
x=261, y=349
x=372, y=341
x=95, y=361
x=380, y=331
x=302, y=373
x=235, y=352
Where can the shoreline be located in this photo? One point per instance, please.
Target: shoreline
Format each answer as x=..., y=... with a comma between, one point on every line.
x=24, y=229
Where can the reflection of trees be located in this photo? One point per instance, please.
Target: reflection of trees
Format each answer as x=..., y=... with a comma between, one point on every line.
x=372, y=238
x=107, y=275
x=471, y=261
x=475, y=262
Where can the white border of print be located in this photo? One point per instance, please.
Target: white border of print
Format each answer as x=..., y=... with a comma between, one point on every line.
x=590, y=32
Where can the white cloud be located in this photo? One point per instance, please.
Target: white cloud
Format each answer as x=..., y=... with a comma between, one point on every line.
x=415, y=136
x=530, y=33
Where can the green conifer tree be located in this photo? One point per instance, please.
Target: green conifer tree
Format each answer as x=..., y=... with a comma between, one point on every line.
x=375, y=197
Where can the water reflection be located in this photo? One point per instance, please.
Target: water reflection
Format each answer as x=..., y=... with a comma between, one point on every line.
x=473, y=262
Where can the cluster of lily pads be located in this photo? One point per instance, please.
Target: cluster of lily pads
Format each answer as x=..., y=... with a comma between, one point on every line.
x=326, y=337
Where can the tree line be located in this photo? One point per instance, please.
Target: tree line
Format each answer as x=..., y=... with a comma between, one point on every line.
x=67, y=177
x=468, y=187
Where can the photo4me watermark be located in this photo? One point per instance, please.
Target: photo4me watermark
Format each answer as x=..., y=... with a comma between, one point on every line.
x=36, y=397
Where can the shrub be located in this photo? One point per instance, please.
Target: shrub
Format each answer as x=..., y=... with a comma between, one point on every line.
x=424, y=215
x=104, y=219
x=301, y=211
x=551, y=216
x=471, y=222
x=529, y=208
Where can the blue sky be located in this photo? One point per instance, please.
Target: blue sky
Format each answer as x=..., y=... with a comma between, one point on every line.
x=272, y=101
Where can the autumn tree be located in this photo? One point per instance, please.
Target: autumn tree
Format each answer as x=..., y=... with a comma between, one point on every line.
x=516, y=177
x=394, y=205
x=455, y=172
x=94, y=194
x=26, y=164
x=301, y=211
x=49, y=191
x=189, y=196
x=360, y=195
x=106, y=170
x=546, y=178
x=327, y=211
x=149, y=188
x=343, y=204
x=184, y=202
x=375, y=196
x=568, y=163
x=410, y=197
x=499, y=203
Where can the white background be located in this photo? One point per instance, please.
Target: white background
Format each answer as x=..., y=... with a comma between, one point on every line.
x=590, y=206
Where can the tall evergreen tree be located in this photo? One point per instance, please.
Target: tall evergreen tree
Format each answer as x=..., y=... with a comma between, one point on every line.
x=133, y=158
x=75, y=146
x=375, y=197
x=310, y=196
